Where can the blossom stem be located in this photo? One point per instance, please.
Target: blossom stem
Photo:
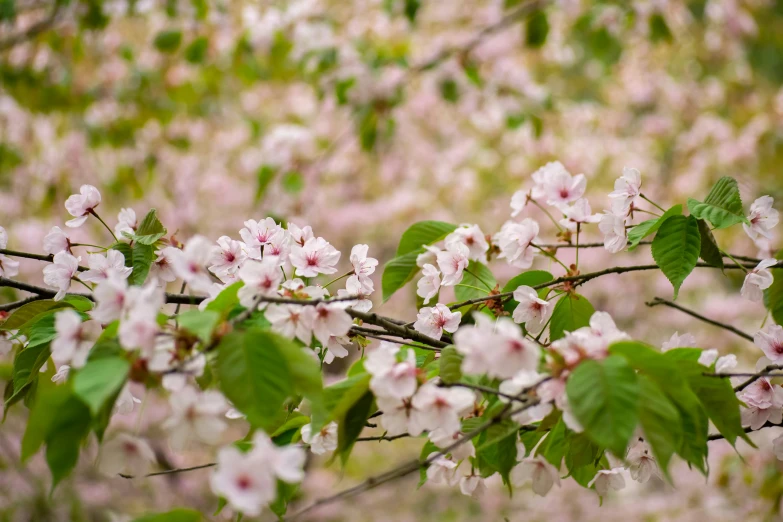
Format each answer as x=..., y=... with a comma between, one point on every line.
x=338, y=278
x=479, y=279
x=578, y=229
x=473, y=287
x=285, y=278
x=85, y=285
x=551, y=255
x=658, y=301
x=171, y=471
x=545, y=211
x=92, y=211
x=754, y=377
x=735, y=261
x=646, y=211
x=651, y=202
x=88, y=245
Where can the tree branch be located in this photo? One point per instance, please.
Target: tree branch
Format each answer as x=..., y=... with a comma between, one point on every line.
x=763, y=373
x=659, y=301
x=170, y=471
x=718, y=436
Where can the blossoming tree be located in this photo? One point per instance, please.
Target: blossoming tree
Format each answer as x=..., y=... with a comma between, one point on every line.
x=523, y=379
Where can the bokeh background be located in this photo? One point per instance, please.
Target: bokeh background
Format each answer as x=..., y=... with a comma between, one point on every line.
x=360, y=117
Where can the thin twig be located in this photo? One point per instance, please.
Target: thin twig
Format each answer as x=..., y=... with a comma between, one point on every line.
x=37, y=257
x=660, y=301
x=170, y=471
x=718, y=436
x=763, y=373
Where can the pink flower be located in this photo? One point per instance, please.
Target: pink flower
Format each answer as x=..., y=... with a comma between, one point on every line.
x=327, y=320
x=496, y=348
x=557, y=185
x=537, y=470
x=758, y=280
x=607, y=479
x=323, y=441
x=473, y=238
x=74, y=338
x=770, y=340
x=190, y=264
x=641, y=463
x=452, y=262
x=440, y=408
x=59, y=273
x=531, y=310
x=763, y=218
x=8, y=266
x=615, y=234
x=390, y=377
x=195, y=415
x=125, y=454
x=396, y=414
x=578, y=213
x=626, y=189
x=685, y=340
x=56, y=241
x=363, y=267
x=429, y=285
x=126, y=222
x=81, y=205
x=162, y=268
x=110, y=297
x=261, y=278
x=442, y=470
x=288, y=320
x=257, y=234
x=228, y=257
x=515, y=241
x=317, y=256
x=353, y=288
x=518, y=202
x=433, y=321
x=301, y=235
x=110, y=266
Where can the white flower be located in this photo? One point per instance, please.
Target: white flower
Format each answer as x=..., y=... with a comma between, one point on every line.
x=317, y=256
x=125, y=454
x=391, y=378
x=257, y=234
x=531, y=310
x=442, y=470
x=195, y=415
x=228, y=257
x=607, y=479
x=473, y=238
x=353, y=288
x=289, y=320
x=3, y=238
x=516, y=385
x=244, y=480
x=764, y=404
x=286, y=462
x=59, y=273
x=126, y=222
x=726, y=363
x=62, y=374
x=125, y=401
x=56, y=241
x=626, y=189
x=707, y=357
x=8, y=267
x=110, y=266
x=363, y=267
x=444, y=439
x=777, y=447
x=74, y=338
x=190, y=263
x=515, y=241
x=328, y=319
x=578, y=213
x=518, y=202
x=110, y=299
x=323, y=441
x=335, y=347
x=763, y=218
x=261, y=278
x=496, y=348
x=396, y=414
x=685, y=340
x=770, y=340
x=472, y=486
x=429, y=256
x=429, y=285
x=615, y=234
x=439, y=408
x=541, y=473
x=641, y=463
x=138, y=324
x=452, y=262
x=301, y=235
x=81, y=205
x=557, y=186
x=279, y=245
x=758, y=280
x=432, y=321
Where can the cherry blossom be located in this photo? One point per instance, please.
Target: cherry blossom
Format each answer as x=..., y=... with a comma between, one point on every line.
x=363, y=267
x=125, y=454
x=74, y=338
x=335, y=347
x=607, y=479
x=770, y=340
x=518, y=202
x=532, y=311
x=473, y=238
x=61, y=375
x=125, y=402
x=81, y=205
x=726, y=363
x=162, y=268
x=472, y=486
x=442, y=470
x=452, y=262
x=327, y=320
x=353, y=288
x=444, y=439
x=279, y=245
x=763, y=218
x=390, y=377
x=428, y=257
x=56, y=241
x=516, y=385
x=244, y=480
x=110, y=266
x=323, y=441
x=228, y=258
x=59, y=273
x=441, y=408
x=138, y=324
x=707, y=357
x=515, y=241
x=257, y=234
x=764, y=404
x=432, y=321
x=261, y=278
x=126, y=222
x=289, y=320
x=195, y=415
x=615, y=234
x=190, y=263
x=537, y=470
x=557, y=186
x=758, y=280
x=8, y=266
x=110, y=299
x=317, y=256
x=396, y=414
x=579, y=213
x=777, y=447
x=679, y=341
x=300, y=236
x=626, y=189
x=641, y=463
x=429, y=285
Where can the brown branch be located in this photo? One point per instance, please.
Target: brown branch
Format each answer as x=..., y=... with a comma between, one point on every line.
x=659, y=301
x=37, y=257
x=170, y=471
x=718, y=436
x=754, y=377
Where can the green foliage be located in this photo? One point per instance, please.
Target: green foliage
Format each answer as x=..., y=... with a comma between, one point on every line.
x=659, y=30
x=226, y=300
x=554, y=446
x=351, y=425
x=483, y=277
x=676, y=249
x=650, y=227
x=200, y=323
x=100, y=381
x=168, y=41
x=27, y=364
x=450, y=365
x=196, y=51
x=710, y=252
x=537, y=29
x=149, y=231
x=496, y=450
x=723, y=205
x=660, y=422
x=773, y=296
x=604, y=397
x=142, y=257
x=572, y=311
x=29, y=313
x=531, y=278
x=397, y=272
x=341, y=397
x=177, y=515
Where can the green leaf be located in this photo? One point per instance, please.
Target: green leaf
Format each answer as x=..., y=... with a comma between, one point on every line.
x=100, y=380
x=80, y=303
x=341, y=396
x=142, y=257
x=226, y=300
x=27, y=364
x=126, y=251
x=774, y=296
x=723, y=205
x=676, y=249
x=423, y=233
x=197, y=50
x=650, y=227
x=554, y=446
x=67, y=431
x=177, y=515
x=200, y=323
x=350, y=427
x=168, y=41
x=531, y=278
x=709, y=252
x=660, y=422
x=24, y=315
x=497, y=457
x=571, y=312
x=485, y=277
x=537, y=29
x=659, y=30
x=604, y=397
x=150, y=229
x=397, y=272
x=450, y=365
